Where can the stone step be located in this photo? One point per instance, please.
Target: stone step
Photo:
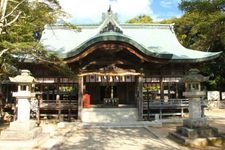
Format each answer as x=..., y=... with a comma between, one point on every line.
x=178, y=138
x=15, y=144
x=109, y=115
x=20, y=135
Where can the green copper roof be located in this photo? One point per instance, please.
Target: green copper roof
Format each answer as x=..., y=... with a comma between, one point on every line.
x=157, y=40
x=113, y=36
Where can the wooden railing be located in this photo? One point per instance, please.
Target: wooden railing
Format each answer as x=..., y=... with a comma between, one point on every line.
x=171, y=107
x=60, y=108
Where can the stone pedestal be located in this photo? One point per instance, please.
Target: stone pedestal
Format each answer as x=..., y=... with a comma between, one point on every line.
x=195, y=131
x=196, y=128
x=23, y=133
x=195, y=108
x=195, y=123
x=23, y=111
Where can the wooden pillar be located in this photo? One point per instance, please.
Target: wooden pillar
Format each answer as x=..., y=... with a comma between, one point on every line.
x=161, y=89
x=59, y=107
x=169, y=88
x=80, y=95
x=127, y=95
x=47, y=91
x=177, y=95
x=111, y=92
x=140, y=98
x=136, y=91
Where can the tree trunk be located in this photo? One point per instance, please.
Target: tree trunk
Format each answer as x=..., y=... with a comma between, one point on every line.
x=2, y=11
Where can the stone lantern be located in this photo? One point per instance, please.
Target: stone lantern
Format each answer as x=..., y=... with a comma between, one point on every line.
x=195, y=131
x=23, y=132
x=195, y=94
x=25, y=92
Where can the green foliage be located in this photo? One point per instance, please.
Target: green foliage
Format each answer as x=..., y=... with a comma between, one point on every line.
x=152, y=87
x=202, y=27
x=206, y=6
x=169, y=21
x=141, y=19
x=21, y=38
x=193, y=31
x=72, y=26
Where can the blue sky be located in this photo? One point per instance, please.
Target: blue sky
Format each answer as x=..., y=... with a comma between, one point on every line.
x=90, y=11
x=166, y=8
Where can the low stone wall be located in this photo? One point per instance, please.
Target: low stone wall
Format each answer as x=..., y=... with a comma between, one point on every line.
x=109, y=115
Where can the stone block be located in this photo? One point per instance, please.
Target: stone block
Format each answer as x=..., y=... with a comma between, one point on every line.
x=199, y=143
x=15, y=144
x=22, y=126
x=109, y=115
x=195, y=123
x=156, y=123
x=192, y=133
x=187, y=132
x=194, y=94
x=9, y=134
x=207, y=132
x=177, y=137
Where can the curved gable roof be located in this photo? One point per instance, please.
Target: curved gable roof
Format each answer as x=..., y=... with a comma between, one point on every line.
x=115, y=37
x=156, y=40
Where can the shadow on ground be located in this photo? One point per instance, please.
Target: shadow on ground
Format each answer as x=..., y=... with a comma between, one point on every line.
x=117, y=138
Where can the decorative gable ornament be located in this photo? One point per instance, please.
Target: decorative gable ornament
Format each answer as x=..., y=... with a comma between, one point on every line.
x=111, y=28
x=110, y=23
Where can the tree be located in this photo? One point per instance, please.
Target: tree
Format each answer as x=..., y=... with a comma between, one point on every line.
x=207, y=6
x=169, y=21
x=203, y=27
x=141, y=19
x=21, y=25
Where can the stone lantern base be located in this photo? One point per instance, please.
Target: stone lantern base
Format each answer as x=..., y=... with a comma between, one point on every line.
x=22, y=135
x=195, y=123
x=197, y=133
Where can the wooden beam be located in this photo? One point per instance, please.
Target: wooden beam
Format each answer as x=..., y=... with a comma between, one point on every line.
x=109, y=47
x=109, y=73
x=100, y=63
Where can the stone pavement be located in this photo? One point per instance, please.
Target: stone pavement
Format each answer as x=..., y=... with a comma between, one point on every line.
x=115, y=138
x=70, y=136
x=74, y=136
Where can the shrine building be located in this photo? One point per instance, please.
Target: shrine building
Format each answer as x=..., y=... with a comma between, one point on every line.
x=118, y=65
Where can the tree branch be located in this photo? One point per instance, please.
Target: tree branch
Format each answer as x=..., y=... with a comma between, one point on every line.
x=12, y=11
x=45, y=60
x=3, y=51
x=12, y=21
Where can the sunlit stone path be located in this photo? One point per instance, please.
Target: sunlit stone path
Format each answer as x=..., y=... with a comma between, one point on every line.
x=117, y=138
